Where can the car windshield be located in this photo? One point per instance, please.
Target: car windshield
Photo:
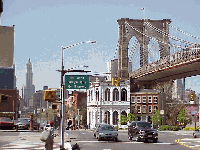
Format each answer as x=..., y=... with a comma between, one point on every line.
x=23, y=121
x=144, y=124
x=6, y=119
x=107, y=128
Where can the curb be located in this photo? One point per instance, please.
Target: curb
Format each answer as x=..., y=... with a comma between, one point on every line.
x=178, y=141
x=20, y=131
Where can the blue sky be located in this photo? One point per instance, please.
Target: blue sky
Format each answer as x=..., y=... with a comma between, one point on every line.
x=42, y=27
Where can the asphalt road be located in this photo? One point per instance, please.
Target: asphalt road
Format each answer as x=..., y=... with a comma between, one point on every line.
x=86, y=141
x=166, y=141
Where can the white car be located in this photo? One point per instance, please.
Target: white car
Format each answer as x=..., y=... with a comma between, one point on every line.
x=47, y=127
x=196, y=133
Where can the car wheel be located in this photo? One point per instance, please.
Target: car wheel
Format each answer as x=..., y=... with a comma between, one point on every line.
x=194, y=135
x=99, y=138
x=137, y=139
x=115, y=139
x=155, y=140
x=129, y=137
x=94, y=135
x=145, y=140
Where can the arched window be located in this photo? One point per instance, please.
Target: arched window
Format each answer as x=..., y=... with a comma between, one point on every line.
x=115, y=94
x=123, y=95
x=107, y=117
x=115, y=118
x=107, y=94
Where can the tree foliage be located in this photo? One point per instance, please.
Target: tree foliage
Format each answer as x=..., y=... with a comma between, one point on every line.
x=124, y=119
x=181, y=116
x=156, y=118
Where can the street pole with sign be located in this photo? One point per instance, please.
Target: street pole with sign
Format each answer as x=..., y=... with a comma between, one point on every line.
x=63, y=89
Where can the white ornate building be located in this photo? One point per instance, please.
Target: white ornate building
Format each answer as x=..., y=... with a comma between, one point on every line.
x=106, y=102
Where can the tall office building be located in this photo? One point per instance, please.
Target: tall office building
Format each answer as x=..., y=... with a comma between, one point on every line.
x=29, y=89
x=179, y=89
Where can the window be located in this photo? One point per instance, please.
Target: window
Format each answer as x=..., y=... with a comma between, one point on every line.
x=138, y=99
x=149, y=108
x=133, y=110
x=143, y=109
x=132, y=99
x=155, y=108
x=107, y=94
x=155, y=99
x=149, y=99
x=123, y=95
x=97, y=95
x=144, y=99
x=138, y=109
x=115, y=95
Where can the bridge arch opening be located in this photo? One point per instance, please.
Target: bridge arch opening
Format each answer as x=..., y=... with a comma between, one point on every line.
x=134, y=53
x=153, y=51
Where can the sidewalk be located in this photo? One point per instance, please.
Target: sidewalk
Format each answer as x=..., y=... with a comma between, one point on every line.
x=25, y=140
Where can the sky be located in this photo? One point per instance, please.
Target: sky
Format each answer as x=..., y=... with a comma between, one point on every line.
x=42, y=27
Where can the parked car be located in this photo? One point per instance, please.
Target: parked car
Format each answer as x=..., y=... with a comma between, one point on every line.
x=6, y=123
x=107, y=132
x=142, y=130
x=196, y=133
x=23, y=123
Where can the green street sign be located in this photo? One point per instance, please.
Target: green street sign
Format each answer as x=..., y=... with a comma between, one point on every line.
x=76, y=82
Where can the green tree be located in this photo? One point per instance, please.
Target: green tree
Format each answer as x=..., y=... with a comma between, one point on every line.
x=123, y=120
x=181, y=116
x=130, y=117
x=156, y=118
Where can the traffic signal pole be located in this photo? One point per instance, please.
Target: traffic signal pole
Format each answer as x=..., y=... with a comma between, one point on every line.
x=63, y=89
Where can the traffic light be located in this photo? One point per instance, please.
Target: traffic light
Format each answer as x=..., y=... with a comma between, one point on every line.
x=50, y=95
x=113, y=80
x=192, y=96
x=116, y=81
x=54, y=106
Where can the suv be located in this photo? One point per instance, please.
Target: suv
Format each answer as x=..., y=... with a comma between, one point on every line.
x=142, y=130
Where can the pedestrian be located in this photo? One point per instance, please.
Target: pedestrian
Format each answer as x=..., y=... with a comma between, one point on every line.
x=50, y=141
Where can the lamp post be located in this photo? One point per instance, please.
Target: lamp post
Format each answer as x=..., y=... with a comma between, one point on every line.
x=63, y=89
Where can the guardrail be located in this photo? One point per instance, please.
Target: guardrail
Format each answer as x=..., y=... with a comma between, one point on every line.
x=188, y=55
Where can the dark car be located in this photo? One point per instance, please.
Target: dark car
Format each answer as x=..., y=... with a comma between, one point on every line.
x=142, y=130
x=107, y=132
x=6, y=123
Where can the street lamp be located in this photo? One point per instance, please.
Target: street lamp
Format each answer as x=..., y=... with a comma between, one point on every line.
x=63, y=88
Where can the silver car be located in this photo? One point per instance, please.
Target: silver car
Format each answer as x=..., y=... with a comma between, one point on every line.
x=196, y=133
x=107, y=132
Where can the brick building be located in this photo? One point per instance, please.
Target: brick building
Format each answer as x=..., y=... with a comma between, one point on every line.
x=10, y=105
x=144, y=102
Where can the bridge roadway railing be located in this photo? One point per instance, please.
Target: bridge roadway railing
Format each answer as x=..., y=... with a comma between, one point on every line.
x=177, y=59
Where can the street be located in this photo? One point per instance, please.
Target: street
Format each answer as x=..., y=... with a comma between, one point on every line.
x=85, y=139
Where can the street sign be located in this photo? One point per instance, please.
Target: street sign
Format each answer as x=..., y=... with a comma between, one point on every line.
x=76, y=82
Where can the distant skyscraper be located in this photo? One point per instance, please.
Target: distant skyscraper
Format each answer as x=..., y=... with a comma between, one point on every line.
x=29, y=89
x=179, y=89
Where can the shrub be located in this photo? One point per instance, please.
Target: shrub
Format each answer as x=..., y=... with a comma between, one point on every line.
x=189, y=128
x=163, y=127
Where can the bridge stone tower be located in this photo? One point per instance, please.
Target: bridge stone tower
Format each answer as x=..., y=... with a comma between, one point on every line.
x=138, y=28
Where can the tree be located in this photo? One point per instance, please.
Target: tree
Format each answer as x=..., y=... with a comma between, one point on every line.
x=130, y=117
x=156, y=118
x=123, y=120
x=181, y=116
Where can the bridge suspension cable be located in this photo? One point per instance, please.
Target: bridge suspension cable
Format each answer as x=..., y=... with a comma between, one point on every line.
x=168, y=35
x=116, y=50
x=153, y=38
x=183, y=31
